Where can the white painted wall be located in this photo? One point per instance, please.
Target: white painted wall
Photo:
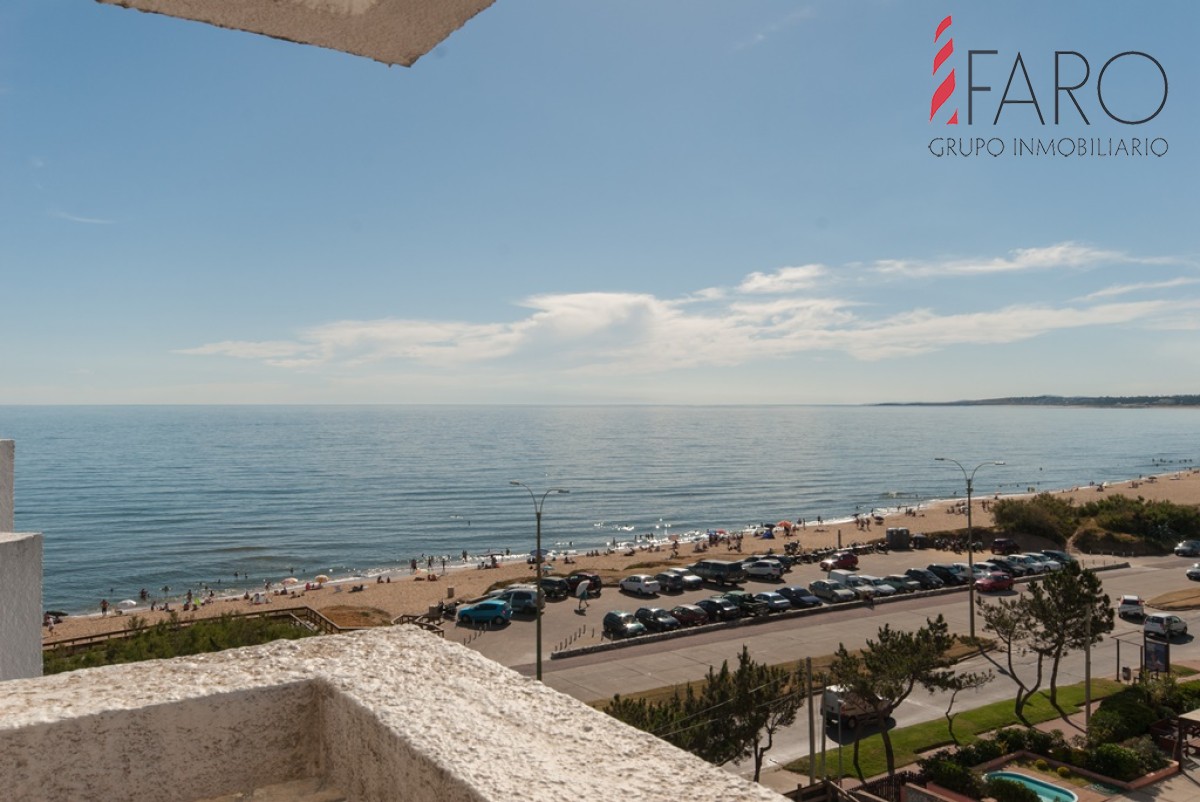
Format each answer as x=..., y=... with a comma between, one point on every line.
x=20, y=605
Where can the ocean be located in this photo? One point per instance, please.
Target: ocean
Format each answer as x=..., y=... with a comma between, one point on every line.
x=132, y=497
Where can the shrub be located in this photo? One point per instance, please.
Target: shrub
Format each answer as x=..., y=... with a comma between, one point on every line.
x=1122, y=716
x=1003, y=790
x=1148, y=753
x=1063, y=771
x=1115, y=761
x=954, y=777
x=1013, y=739
x=1041, y=765
x=1044, y=515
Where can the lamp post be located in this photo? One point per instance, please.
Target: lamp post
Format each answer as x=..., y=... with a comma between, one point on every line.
x=537, y=557
x=970, y=477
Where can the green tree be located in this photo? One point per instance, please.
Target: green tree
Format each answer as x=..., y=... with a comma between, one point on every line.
x=1011, y=621
x=890, y=667
x=733, y=716
x=1072, y=612
x=1044, y=515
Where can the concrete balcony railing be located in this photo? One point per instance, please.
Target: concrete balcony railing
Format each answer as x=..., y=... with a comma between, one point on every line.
x=394, y=714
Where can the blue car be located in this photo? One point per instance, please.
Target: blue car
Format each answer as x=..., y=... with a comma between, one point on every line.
x=491, y=611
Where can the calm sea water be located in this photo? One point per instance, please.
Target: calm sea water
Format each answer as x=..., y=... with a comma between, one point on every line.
x=133, y=497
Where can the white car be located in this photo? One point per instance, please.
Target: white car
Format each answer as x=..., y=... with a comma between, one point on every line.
x=1193, y=573
x=976, y=571
x=1131, y=607
x=1047, y=563
x=1164, y=626
x=690, y=580
x=641, y=584
x=882, y=588
x=861, y=588
x=764, y=569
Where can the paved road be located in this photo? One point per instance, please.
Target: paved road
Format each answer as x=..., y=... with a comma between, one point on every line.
x=646, y=666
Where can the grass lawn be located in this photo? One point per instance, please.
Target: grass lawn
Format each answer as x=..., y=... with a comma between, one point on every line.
x=908, y=742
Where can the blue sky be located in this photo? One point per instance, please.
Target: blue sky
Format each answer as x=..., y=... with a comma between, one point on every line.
x=610, y=202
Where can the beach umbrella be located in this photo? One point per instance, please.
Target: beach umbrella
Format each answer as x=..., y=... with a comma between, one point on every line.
x=322, y=578
x=543, y=552
x=126, y=604
x=291, y=580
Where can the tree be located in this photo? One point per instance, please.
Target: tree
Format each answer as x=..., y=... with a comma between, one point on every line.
x=734, y=715
x=1044, y=515
x=1012, y=624
x=1072, y=612
x=963, y=682
x=887, y=670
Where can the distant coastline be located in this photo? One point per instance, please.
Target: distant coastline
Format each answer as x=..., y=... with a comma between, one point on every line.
x=1130, y=401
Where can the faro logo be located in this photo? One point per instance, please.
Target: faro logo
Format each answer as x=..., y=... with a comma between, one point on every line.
x=1129, y=88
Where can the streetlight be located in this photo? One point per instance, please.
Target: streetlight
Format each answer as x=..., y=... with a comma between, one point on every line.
x=970, y=537
x=537, y=556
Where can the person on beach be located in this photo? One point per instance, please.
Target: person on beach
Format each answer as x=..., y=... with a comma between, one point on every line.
x=104, y=607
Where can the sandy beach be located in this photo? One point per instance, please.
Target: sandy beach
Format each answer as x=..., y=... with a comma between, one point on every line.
x=405, y=593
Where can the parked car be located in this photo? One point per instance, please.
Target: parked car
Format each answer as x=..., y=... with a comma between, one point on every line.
x=841, y=559
x=1011, y=567
x=902, y=584
x=521, y=599
x=927, y=579
x=994, y=583
x=968, y=571
x=1188, y=548
x=747, y=603
x=1059, y=556
x=860, y=587
x=580, y=576
x=1047, y=563
x=1164, y=626
x=799, y=596
x=722, y=572
x=488, y=611
x=882, y=588
x=656, y=619
x=1131, y=607
x=1032, y=566
x=555, y=587
x=944, y=573
x=641, y=585
x=840, y=707
x=1194, y=572
x=689, y=615
x=764, y=569
x=670, y=583
x=690, y=580
x=774, y=601
x=718, y=608
x=1005, y=545
x=620, y=624
x=831, y=592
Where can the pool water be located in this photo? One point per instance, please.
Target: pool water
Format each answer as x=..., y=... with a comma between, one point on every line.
x=1045, y=791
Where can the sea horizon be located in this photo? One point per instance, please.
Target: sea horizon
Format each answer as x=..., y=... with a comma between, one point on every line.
x=185, y=496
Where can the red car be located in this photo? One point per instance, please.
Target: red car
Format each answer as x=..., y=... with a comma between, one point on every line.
x=841, y=559
x=994, y=583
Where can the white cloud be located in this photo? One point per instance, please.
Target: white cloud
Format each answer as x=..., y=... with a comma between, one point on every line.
x=1068, y=255
x=1125, y=289
x=614, y=334
x=785, y=279
x=794, y=18
x=74, y=218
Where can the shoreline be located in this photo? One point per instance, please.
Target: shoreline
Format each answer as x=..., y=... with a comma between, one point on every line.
x=406, y=594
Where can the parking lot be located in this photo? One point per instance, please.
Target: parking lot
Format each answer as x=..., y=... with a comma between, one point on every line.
x=565, y=628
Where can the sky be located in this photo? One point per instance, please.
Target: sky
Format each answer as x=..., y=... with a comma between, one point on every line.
x=616, y=202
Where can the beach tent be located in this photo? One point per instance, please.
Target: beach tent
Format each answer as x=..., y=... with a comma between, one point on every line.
x=390, y=31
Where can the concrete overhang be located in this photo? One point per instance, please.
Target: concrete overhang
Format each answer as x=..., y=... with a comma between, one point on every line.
x=390, y=31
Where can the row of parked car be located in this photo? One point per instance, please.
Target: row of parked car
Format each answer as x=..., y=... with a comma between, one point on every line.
x=724, y=607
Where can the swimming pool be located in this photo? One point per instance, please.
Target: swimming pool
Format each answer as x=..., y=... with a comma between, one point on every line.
x=1045, y=791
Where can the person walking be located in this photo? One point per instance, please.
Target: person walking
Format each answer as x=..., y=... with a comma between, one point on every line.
x=582, y=590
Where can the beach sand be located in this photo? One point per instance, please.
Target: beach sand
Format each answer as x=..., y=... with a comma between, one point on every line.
x=406, y=594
